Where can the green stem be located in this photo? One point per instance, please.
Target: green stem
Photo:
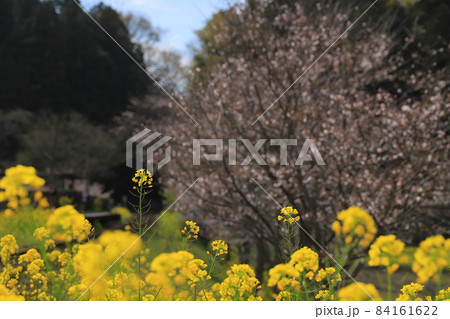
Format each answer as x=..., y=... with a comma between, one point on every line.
x=389, y=286
x=140, y=234
x=439, y=281
x=212, y=265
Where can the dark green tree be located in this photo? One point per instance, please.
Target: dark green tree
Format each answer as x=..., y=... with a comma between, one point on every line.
x=53, y=57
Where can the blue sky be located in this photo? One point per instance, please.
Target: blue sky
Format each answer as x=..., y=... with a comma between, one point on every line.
x=177, y=18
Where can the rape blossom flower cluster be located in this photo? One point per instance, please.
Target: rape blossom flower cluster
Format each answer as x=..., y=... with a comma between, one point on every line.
x=67, y=224
x=301, y=278
x=143, y=178
x=92, y=258
x=387, y=251
x=68, y=263
x=431, y=258
x=191, y=230
x=16, y=185
x=219, y=247
x=240, y=284
x=175, y=275
x=288, y=215
x=355, y=223
x=412, y=292
x=359, y=291
x=8, y=295
x=409, y=292
x=8, y=246
x=443, y=295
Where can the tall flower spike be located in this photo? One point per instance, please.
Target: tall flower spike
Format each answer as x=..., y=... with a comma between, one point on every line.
x=219, y=247
x=143, y=177
x=191, y=230
x=288, y=215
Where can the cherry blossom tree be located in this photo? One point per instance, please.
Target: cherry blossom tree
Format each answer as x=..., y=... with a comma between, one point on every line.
x=385, y=146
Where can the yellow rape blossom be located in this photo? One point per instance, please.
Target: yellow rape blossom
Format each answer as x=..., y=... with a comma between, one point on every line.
x=305, y=259
x=13, y=186
x=21, y=175
x=173, y=274
x=288, y=215
x=284, y=296
x=93, y=258
x=324, y=295
x=9, y=212
x=143, y=178
x=219, y=247
x=41, y=233
x=359, y=292
x=409, y=292
x=89, y=264
x=37, y=196
x=118, y=242
x=30, y=256
x=8, y=247
x=65, y=259
x=353, y=224
x=431, y=258
x=292, y=275
x=148, y=297
x=284, y=276
x=78, y=271
x=443, y=295
x=8, y=295
x=67, y=224
x=327, y=273
x=240, y=284
x=386, y=251
x=191, y=230
x=43, y=203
